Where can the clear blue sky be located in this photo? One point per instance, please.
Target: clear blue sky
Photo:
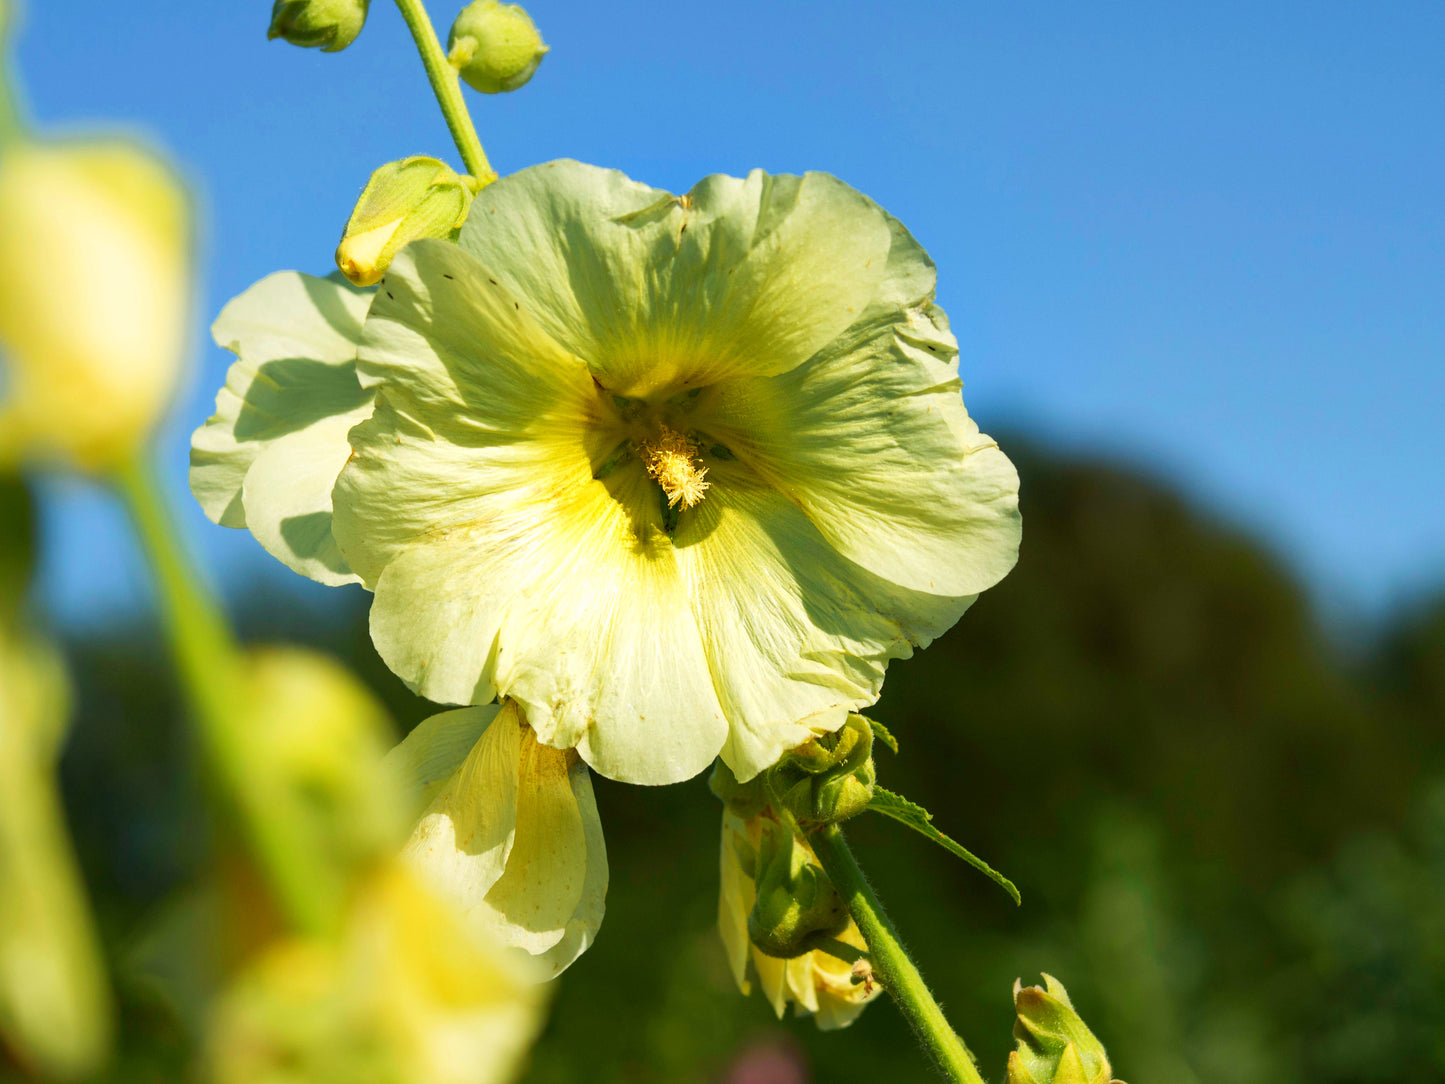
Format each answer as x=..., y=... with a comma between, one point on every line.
x=1205, y=237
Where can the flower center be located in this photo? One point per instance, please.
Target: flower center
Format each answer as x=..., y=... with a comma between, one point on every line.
x=671, y=462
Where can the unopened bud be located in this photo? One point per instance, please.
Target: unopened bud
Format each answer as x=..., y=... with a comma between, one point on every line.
x=1055, y=1046
x=403, y=201
x=494, y=46
x=328, y=25
x=796, y=904
x=831, y=777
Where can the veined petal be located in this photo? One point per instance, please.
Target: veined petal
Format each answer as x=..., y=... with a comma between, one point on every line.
x=464, y=838
x=436, y=747
x=796, y=635
x=736, y=895
x=289, y=400
x=870, y=438
x=582, y=927
x=530, y=906
x=511, y=835
x=740, y=276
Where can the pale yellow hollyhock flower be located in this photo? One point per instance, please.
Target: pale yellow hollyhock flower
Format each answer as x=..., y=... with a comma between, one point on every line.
x=680, y=475
x=407, y=993
x=95, y=273
x=508, y=832
x=54, y=999
x=815, y=983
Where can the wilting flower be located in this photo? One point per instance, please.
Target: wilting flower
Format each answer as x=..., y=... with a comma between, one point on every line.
x=405, y=992
x=509, y=831
x=829, y=988
x=94, y=297
x=679, y=475
x=54, y=1006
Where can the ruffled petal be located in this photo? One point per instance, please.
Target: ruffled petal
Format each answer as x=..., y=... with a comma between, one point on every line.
x=290, y=399
x=796, y=635
x=871, y=439
x=739, y=276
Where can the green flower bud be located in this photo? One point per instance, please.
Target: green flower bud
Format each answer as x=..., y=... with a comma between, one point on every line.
x=830, y=778
x=796, y=903
x=747, y=800
x=1055, y=1046
x=405, y=200
x=330, y=25
x=495, y=46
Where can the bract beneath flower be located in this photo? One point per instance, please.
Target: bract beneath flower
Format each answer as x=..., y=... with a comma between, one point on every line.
x=508, y=832
x=680, y=475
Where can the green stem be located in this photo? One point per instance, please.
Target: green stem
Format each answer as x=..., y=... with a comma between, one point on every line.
x=211, y=670
x=447, y=87
x=890, y=961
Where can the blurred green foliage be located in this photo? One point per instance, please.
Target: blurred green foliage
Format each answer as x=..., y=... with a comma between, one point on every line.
x=1229, y=833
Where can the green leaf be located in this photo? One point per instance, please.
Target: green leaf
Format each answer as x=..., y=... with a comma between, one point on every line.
x=921, y=821
x=883, y=734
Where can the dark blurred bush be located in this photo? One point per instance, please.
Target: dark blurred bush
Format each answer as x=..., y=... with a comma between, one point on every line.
x=1226, y=830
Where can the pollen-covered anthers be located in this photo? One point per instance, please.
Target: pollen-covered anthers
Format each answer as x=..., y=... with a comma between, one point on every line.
x=671, y=461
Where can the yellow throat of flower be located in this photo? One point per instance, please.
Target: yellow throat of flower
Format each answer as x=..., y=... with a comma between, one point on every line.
x=670, y=459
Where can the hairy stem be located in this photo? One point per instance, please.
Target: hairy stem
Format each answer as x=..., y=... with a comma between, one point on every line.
x=890, y=961
x=447, y=87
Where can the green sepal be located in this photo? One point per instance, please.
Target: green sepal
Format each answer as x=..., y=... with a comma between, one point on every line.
x=883, y=734
x=921, y=821
x=747, y=800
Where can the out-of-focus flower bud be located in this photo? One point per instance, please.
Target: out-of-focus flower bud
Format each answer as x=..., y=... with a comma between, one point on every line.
x=94, y=297
x=1055, y=1046
x=403, y=201
x=796, y=903
x=494, y=46
x=54, y=1001
x=407, y=991
x=315, y=777
x=330, y=25
x=831, y=777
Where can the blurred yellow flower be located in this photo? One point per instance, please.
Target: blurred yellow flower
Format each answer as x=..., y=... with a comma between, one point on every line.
x=408, y=993
x=54, y=1008
x=814, y=983
x=509, y=831
x=94, y=296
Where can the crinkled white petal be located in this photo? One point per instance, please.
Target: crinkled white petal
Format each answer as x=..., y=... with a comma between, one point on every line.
x=269, y=456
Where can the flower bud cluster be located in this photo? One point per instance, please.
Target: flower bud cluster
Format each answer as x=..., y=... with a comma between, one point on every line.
x=824, y=781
